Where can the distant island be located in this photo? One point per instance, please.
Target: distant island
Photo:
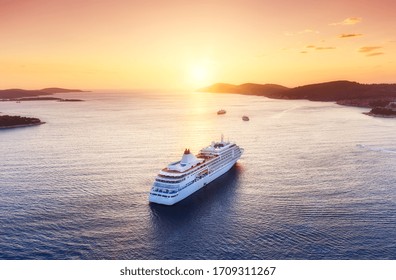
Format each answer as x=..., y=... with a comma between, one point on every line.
x=7, y=121
x=45, y=98
x=33, y=95
x=19, y=95
x=379, y=97
x=386, y=112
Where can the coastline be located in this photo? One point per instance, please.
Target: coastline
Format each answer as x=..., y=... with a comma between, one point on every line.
x=24, y=99
x=379, y=115
x=345, y=93
x=21, y=125
x=41, y=94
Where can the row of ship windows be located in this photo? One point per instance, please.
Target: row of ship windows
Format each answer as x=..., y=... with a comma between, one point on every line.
x=195, y=180
x=167, y=196
x=173, y=191
x=170, y=182
x=175, y=182
x=164, y=190
x=217, y=158
x=226, y=156
x=215, y=161
x=215, y=167
x=160, y=185
x=228, y=152
x=188, y=184
x=173, y=177
x=185, y=175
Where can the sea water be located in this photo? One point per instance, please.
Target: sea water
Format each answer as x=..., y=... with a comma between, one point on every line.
x=316, y=181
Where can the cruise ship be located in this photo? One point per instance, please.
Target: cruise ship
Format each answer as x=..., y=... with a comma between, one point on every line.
x=182, y=178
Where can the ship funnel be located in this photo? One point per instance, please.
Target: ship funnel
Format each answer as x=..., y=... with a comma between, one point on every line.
x=188, y=158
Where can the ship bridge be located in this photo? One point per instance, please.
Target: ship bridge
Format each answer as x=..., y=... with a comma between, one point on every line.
x=216, y=148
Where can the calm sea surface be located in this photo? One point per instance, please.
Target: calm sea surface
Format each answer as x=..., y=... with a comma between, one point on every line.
x=316, y=181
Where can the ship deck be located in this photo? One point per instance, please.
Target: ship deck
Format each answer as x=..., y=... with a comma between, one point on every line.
x=201, y=156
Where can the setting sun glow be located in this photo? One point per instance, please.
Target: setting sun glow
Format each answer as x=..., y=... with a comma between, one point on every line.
x=159, y=44
x=200, y=75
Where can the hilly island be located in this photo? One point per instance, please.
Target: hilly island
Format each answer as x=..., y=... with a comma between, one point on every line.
x=380, y=98
x=19, y=95
x=30, y=95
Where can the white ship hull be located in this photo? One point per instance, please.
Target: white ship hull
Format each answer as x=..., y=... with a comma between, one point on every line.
x=192, y=188
x=182, y=178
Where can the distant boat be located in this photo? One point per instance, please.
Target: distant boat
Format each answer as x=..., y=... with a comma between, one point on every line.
x=245, y=118
x=221, y=112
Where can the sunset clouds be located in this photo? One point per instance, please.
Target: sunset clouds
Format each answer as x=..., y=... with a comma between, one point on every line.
x=349, y=35
x=319, y=48
x=371, y=50
x=146, y=44
x=375, y=53
x=348, y=21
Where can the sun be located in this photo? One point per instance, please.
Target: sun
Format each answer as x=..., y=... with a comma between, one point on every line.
x=200, y=74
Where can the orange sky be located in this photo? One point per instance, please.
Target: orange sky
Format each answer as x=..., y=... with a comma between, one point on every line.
x=174, y=44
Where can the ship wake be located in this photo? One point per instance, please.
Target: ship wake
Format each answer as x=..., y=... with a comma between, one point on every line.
x=376, y=149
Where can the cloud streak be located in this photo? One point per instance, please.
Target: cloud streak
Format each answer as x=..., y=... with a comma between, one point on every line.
x=324, y=48
x=369, y=49
x=319, y=48
x=375, y=54
x=348, y=21
x=349, y=35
